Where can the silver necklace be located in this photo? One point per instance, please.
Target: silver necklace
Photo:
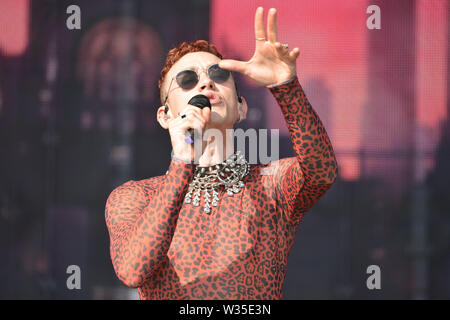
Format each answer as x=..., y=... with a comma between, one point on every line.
x=229, y=174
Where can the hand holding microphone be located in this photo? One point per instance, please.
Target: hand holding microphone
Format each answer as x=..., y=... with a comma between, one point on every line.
x=193, y=119
x=200, y=101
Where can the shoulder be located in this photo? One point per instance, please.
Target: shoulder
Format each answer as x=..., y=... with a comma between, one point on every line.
x=149, y=185
x=127, y=200
x=133, y=193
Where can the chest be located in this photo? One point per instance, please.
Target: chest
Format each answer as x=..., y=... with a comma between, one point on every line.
x=205, y=244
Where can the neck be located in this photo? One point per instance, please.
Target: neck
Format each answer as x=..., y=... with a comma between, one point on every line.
x=219, y=145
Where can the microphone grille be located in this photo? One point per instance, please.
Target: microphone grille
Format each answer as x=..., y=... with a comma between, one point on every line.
x=200, y=101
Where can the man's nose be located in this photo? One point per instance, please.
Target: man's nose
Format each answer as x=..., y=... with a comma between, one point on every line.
x=205, y=82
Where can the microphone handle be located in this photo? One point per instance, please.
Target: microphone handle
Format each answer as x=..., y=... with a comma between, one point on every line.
x=189, y=135
x=189, y=138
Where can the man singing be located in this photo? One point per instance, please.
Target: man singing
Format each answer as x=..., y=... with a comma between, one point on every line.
x=215, y=227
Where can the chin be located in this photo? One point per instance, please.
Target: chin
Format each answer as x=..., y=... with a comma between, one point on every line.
x=219, y=121
x=216, y=117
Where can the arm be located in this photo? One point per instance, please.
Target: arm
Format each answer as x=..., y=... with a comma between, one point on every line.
x=302, y=180
x=141, y=227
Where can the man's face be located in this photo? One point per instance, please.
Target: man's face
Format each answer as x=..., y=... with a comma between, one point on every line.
x=222, y=96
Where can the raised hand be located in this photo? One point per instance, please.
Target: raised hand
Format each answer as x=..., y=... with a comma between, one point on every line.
x=272, y=62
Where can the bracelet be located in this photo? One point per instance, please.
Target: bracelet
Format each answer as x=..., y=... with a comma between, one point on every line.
x=282, y=83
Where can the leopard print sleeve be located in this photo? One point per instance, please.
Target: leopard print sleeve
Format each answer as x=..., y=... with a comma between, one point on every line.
x=300, y=181
x=141, y=223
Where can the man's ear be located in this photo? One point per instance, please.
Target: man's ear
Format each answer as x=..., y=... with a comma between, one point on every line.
x=243, y=108
x=163, y=117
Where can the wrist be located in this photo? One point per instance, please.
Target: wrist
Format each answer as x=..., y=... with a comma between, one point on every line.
x=282, y=83
x=178, y=158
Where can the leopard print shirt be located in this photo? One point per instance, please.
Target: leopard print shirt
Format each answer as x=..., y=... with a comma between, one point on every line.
x=172, y=250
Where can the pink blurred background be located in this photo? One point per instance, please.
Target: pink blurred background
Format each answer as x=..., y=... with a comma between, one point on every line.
x=348, y=81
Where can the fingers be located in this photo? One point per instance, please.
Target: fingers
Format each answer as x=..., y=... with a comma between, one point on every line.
x=283, y=52
x=260, y=33
x=272, y=33
x=190, y=109
x=190, y=112
x=179, y=127
x=272, y=25
x=233, y=65
x=294, y=53
x=195, y=119
x=280, y=48
x=194, y=115
x=197, y=123
x=206, y=113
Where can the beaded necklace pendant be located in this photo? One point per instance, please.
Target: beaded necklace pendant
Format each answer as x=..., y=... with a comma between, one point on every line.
x=229, y=174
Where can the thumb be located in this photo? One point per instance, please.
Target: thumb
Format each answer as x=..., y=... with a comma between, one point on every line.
x=233, y=65
x=206, y=113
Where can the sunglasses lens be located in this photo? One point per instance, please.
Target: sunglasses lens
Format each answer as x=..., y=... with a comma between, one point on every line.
x=218, y=74
x=187, y=79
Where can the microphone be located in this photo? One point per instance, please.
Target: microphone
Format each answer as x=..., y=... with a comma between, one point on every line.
x=201, y=101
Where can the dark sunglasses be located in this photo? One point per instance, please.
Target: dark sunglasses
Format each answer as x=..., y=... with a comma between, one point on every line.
x=188, y=79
